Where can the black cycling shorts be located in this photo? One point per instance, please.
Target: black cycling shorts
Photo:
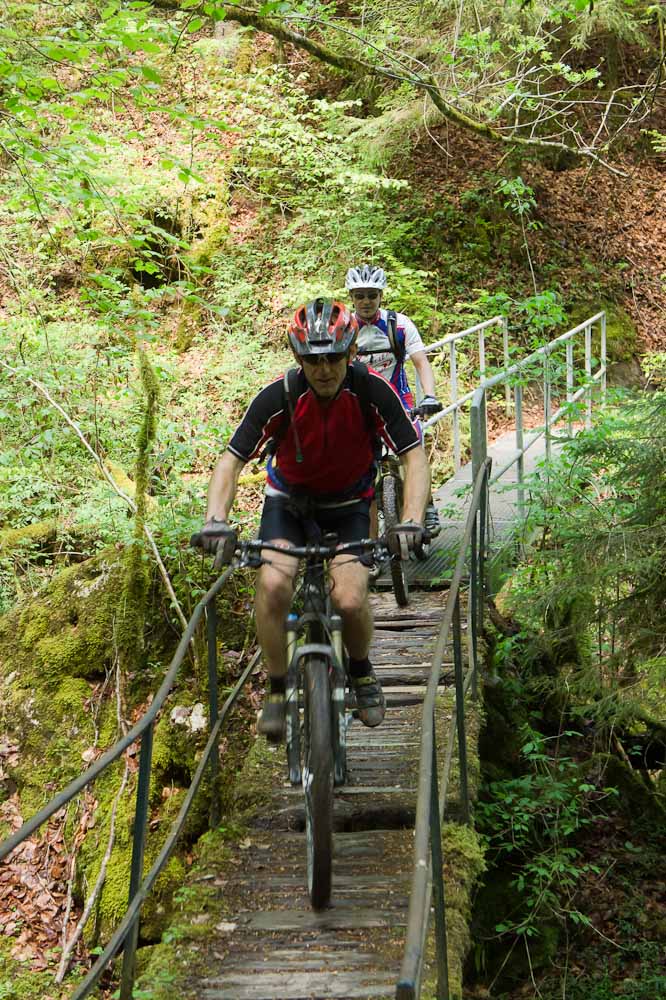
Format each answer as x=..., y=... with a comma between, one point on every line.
x=279, y=519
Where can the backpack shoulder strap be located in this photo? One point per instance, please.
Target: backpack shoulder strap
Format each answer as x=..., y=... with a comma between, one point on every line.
x=289, y=400
x=290, y=390
x=361, y=386
x=397, y=344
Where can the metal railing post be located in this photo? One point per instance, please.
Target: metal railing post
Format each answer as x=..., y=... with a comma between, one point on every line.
x=505, y=349
x=437, y=866
x=213, y=709
x=482, y=354
x=588, y=376
x=138, y=851
x=483, y=513
x=454, y=399
x=570, y=381
x=473, y=605
x=460, y=713
x=478, y=431
x=520, y=448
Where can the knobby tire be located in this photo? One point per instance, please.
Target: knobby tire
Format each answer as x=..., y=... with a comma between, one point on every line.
x=318, y=781
x=392, y=507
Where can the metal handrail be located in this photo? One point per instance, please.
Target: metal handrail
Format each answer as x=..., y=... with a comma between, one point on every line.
x=542, y=355
x=550, y=419
x=128, y=930
x=451, y=342
x=431, y=797
x=428, y=878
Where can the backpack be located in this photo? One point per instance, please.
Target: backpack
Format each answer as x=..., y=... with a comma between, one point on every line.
x=360, y=384
x=396, y=342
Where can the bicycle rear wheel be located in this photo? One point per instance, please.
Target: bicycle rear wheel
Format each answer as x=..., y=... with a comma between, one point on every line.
x=392, y=507
x=318, y=780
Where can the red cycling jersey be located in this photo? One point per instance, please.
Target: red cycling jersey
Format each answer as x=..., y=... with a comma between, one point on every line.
x=336, y=443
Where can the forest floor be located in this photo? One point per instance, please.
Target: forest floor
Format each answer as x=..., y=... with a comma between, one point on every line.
x=615, y=222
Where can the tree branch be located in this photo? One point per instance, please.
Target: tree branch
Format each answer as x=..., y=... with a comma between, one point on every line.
x=356, y=67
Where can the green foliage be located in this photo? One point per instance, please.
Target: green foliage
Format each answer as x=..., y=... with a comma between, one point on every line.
x=658, y=140
x=606, y=496
x=518, y=197
x=530, y=823
x=654, y=369
x=536, y=317
x=635, y=973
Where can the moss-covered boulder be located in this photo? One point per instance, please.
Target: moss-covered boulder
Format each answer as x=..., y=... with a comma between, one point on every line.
x=59, y=659
x=54, y=649
x=38, y=535
x=621, y=334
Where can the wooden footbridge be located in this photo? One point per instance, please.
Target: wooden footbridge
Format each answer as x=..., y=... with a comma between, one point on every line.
x=271, y=944
x=252, y=935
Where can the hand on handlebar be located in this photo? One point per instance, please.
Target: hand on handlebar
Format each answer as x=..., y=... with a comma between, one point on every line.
x=405, y=538
x=220, y=539
x=429, y=406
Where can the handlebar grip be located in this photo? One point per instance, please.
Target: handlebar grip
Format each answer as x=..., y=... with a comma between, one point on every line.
x=425, y=411
x=196, y=540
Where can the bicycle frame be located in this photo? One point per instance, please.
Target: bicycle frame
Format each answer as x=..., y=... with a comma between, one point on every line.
x=315, y=623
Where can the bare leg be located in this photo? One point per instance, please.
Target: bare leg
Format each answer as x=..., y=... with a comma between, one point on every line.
x=350, y=597
x=275, y=586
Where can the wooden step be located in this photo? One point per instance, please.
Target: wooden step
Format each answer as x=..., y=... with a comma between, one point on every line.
x=299, y=986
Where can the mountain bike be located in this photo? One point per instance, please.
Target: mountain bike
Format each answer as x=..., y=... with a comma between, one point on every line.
x=389, y=493
x=316, y=685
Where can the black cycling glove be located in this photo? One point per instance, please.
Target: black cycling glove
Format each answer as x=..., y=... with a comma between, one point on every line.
x=405, y=538
x=429, y=405
x=219, y=538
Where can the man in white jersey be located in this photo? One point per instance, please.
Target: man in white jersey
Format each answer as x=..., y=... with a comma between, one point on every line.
x=386, y=339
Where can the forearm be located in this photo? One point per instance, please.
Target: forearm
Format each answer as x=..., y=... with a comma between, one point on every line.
x=223, y=486
x=416, y=484
x=425, y=373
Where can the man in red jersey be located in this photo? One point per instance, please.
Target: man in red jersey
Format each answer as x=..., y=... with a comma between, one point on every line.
x=322, y=470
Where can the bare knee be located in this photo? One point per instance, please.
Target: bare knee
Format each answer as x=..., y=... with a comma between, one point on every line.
x=350, y=601
x=274, y=592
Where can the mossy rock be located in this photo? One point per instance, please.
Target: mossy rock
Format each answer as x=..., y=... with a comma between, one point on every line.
x=622, y=343
x=262, y=772
x=52, y=649
x=31, y=985
x=464, y=863
x=38, y=535
x=637, y=800
x=113, y=900
x=55, y=651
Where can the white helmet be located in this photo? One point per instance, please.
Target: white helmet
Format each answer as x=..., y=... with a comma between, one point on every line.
x=365, y=276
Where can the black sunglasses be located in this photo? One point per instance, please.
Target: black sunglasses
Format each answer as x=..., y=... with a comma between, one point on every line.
x=371, y=294
x=321, y=359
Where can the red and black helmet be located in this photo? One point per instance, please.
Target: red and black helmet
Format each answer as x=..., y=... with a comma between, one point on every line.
x=322, y=326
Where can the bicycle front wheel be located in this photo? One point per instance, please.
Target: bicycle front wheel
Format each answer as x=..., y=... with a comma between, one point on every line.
x=318, y=781
x=392, y=506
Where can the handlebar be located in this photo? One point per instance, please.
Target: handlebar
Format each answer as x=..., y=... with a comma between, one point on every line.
x=365, y=546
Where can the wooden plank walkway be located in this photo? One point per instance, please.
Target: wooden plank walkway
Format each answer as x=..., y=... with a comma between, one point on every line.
x=273, y=945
